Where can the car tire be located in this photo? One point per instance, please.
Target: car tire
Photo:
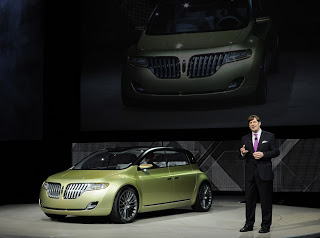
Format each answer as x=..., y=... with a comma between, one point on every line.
x=126, y=101
x=262, y=88
x=204, y=198
x=124, y=98
x=275, y=61
x=55, y=216
x=125, y=206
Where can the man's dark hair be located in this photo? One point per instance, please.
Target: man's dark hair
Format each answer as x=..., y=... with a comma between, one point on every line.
x=252, y=117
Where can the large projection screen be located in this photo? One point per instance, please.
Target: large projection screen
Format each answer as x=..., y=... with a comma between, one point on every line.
x=21, y=70
x=109, y=28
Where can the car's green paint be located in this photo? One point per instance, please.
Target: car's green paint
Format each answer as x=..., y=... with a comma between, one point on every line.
x=157, y=189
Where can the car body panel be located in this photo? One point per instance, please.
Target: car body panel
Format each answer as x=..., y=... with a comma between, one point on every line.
x=156, y=188
x=184, y=182
x=157, y=185
x=87, y=175
x=195, y=41
x=78, y=206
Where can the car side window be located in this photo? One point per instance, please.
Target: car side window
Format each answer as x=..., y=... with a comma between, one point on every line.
x=175, y=158
x=157, y=159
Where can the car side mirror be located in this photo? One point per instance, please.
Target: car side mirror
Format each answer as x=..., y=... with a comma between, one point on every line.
x=263, y=19
x=145, y=166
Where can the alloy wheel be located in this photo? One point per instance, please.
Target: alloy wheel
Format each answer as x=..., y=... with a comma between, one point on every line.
x=205, y=195
x=128, y=205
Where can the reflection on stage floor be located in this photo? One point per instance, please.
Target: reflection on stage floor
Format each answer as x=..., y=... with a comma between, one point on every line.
x=224, y=219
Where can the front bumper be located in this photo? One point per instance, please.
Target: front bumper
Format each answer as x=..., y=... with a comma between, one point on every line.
x=141, y=84
x=78, y=206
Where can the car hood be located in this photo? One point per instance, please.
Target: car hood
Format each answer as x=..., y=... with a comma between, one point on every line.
x=192, y=41
x=83, y=174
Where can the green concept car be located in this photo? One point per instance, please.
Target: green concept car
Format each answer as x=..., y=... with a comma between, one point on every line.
x=126, y=181
x=201, y=50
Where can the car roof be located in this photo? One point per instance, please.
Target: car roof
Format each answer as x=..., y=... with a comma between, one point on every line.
x=141, y=151
x=142, y=148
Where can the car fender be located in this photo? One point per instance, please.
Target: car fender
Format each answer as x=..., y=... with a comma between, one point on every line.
x=201, y=177
x=120, y=182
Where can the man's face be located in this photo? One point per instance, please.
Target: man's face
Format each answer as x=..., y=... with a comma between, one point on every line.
x=254, y=125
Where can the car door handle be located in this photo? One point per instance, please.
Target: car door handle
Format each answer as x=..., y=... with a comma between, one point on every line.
x=169, y=178
x=176, y=177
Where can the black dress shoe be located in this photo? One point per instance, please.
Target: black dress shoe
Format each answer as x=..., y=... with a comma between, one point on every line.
x=264, y=230
x=246, y=228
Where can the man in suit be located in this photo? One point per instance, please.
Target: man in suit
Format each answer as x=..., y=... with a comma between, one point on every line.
x=258, y=148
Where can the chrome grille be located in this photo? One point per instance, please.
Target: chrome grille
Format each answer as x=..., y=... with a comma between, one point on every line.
x=53, y=190
x=74, y=190
x=165, y=66
x=205, y=65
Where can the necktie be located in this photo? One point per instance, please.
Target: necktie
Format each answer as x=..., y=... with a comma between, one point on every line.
x=255, y=146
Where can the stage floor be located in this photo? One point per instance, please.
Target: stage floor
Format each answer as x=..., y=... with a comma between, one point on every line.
x=224, y=219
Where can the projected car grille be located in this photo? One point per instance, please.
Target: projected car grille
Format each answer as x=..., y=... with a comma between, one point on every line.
x=53, y=190
x=198, y=66
x=205, y=65
x=74, y=190
x=165, y=67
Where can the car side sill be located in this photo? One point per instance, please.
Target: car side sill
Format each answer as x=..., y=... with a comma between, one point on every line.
x=165, y=203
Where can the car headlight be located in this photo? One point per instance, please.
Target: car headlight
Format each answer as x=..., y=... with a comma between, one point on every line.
x=234, y=56
x=45, y=185
x=96, y=186
x=138, y=61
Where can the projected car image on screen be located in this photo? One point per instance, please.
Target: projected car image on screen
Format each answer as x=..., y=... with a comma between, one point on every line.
x=201, y=50
x=124, y=182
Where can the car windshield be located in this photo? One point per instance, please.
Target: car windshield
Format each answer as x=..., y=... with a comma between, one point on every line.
x=177, y=17
x=106, y=160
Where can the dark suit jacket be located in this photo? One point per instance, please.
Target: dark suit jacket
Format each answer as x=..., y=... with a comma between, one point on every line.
x=267, y=145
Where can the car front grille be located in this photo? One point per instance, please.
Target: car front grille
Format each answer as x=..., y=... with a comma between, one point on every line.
x=205, y=65
x=199, y=65
x=165, y=66
x=74, y=190
x=53, y=190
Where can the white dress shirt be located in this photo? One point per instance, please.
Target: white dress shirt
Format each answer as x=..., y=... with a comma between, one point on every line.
x=258, y=136
x=253, y=139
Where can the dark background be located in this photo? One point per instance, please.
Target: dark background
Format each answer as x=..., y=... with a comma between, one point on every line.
x=26, y=161
x=21, y=69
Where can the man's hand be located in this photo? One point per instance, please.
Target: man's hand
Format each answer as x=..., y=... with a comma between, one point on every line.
x=258, y=155
x=243, y=150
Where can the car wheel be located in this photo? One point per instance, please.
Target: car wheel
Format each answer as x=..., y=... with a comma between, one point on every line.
x=204, y=198
x=261, y=92
x=126, y=101
x=275, y=61
x=55, y=217
x=125, y=206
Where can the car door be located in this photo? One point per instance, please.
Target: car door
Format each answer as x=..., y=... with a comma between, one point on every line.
x=184, y=178
x=156, y=182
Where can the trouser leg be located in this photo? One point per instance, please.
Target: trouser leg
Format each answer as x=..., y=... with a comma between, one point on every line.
x=251, y=194
x=265, y=189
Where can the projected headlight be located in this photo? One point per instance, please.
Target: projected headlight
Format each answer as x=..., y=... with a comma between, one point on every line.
x=138, y=61
x=45, y=185
x=96, y=186
x=234, y=56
